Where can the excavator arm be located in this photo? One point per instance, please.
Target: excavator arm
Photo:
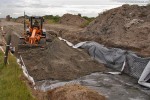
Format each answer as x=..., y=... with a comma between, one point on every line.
x=35, y=36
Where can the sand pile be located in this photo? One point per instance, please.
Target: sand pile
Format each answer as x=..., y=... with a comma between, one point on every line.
x=75, y=20
x=59, y=61
x=127, y=26
x=74, y=92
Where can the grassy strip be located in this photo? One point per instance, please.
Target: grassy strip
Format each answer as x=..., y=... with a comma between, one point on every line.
x=11, y=85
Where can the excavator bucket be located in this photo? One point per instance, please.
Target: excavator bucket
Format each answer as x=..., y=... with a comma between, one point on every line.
x=23, y=45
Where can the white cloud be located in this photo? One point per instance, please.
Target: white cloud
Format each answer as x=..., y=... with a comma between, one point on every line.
x=17, y=13
x=57, y=7
x=133, y=1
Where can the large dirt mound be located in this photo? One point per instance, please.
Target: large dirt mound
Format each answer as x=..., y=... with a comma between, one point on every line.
x=126, y=26
x=75, y=20
x=59, y=61
x=74, y=92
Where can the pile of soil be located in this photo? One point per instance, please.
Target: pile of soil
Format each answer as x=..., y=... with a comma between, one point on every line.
x=126, y=27
x=74, y=92
x=58, y=61
x=20, y=20
x=75, y=20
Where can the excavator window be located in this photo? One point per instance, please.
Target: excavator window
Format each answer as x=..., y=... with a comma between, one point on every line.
x=36, y=23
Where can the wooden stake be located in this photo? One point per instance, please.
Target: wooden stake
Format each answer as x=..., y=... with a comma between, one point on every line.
x=7, y=49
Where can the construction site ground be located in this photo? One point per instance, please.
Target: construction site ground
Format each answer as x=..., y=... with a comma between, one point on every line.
x=60, y=62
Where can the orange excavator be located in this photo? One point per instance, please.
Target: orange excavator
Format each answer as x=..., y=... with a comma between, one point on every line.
x=34, y=34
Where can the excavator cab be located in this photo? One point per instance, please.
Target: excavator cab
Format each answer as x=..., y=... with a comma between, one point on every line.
x=36, y=21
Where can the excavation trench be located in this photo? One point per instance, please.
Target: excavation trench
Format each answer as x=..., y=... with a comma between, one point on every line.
x=51, y=68
x=58, y=64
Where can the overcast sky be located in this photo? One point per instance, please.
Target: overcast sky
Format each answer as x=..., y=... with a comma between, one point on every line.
x=89, y=8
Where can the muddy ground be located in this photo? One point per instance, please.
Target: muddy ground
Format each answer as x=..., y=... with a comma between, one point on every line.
x=58, y=56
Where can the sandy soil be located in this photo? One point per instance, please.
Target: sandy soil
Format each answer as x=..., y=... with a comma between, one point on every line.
x=74, y=92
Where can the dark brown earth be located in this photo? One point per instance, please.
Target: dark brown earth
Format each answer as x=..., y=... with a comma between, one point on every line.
x=59, y=61
x=74, y=92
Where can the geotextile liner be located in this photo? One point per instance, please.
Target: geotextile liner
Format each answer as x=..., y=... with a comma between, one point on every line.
x=58, y=61
x=74, y=92
x=121, y=60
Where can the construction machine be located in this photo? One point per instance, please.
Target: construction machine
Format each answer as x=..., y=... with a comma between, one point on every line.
x=34, y=35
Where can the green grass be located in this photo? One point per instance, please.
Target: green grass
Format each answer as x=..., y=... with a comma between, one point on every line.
x=12, y=87
x=85, y=24
x=50, y=21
